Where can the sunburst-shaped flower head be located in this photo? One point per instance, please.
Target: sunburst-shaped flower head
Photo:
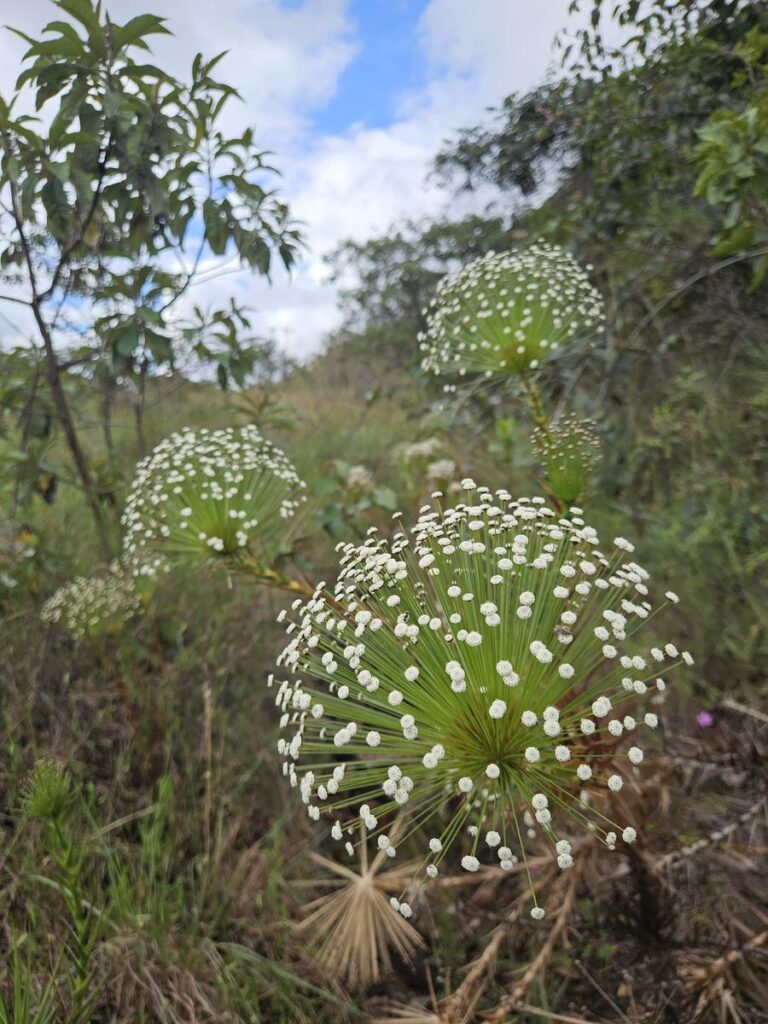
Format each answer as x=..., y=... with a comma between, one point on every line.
x=481, y=671
x=209, y=493
x=509, y=312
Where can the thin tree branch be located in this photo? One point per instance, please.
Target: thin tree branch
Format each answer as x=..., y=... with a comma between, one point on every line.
x=19, y=302
x=689, y=283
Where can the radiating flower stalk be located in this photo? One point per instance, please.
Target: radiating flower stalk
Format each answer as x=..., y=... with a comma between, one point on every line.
x=483, y=671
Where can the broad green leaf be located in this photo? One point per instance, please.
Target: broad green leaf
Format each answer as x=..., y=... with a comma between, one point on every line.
x=386, y=498
x=137, y=28
x=54, y=199
x=127, y=340
x=82, y=11
x=216, y=226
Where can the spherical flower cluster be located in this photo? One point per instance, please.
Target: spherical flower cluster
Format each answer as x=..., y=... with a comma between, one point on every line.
x=94, y=605
x=359, y=478
x=210, y=493
x=441, y=469
x=569, y=451
x=483, y=672
x=508, y=312
x=418, y=450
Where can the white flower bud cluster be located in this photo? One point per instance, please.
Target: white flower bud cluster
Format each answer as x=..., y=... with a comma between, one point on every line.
x=92, y=605
x=569, y=451
x=414, y=683
x=508, y=312
x=210, y=493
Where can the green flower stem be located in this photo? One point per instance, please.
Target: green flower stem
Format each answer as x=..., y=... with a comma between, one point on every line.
x=268, y=576
x=533, y=395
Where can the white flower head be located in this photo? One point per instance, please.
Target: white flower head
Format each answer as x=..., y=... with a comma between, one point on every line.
x=381, y=708
x=509, y=312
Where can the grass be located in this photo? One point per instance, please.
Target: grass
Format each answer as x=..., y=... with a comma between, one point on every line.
x=177, y=896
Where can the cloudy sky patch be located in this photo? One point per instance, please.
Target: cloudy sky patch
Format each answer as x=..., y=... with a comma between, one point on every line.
x=354, y=97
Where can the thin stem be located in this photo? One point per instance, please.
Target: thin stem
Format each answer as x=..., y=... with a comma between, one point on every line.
x=208, y=797
x=533, y=395
x=268, y=576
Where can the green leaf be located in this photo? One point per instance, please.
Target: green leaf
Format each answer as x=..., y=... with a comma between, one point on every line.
x=216, y=226
x=326, y=485
x=127, y=340
x=137, y=28
x=54, y=199
x=385, y=498
x=51, y=80
x=62, y=46
x=159, y=345
x=82, y=11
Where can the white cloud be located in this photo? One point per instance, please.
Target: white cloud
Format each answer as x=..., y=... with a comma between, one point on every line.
x=359, y=183
x=285, y=61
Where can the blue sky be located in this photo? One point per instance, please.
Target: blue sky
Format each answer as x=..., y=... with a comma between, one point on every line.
x=388, y=62
x=354, y=97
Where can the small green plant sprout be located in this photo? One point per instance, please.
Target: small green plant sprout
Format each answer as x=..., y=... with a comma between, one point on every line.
x=211, y=494
x=485, y=672
x=52, y=797
x=569, y=452
x=48, y=792
x=506, y=313
x=94, y=605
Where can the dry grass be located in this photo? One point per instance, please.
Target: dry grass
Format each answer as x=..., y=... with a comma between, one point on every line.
x=355, y=930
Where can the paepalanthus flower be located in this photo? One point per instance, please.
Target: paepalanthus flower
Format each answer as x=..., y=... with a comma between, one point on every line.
x=569, y=452
x=210, y=493
x=508, y=312
x=94, y=605
x=482, y=671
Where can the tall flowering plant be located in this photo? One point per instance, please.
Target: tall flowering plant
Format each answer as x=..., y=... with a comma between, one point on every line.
x=505, y=316
x=486, y=671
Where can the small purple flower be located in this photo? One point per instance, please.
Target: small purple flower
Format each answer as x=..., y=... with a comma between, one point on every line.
x=705, y=719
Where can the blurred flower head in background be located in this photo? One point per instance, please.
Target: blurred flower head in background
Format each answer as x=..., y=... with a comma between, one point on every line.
x=509, y=312
x=209, y=493
x=94, y=605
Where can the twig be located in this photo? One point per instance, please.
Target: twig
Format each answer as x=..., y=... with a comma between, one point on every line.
x=742, y=709
x=598, y=988
x=512, y=1001
x=694, y=279
x=458, y=1007
x=682, y=854
x=208, y=776
x=550, y=1015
